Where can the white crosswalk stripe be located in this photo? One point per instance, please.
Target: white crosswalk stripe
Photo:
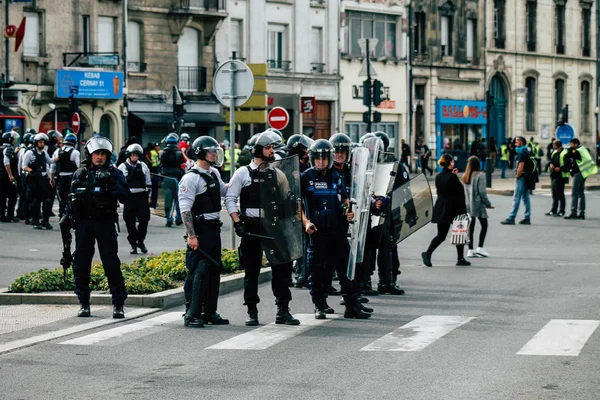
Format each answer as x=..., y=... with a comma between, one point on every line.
x=560, y=337
x=125, y=329
x=272, y=334
x=417, y=334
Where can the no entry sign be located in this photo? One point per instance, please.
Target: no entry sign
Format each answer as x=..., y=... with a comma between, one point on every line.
x=75, y=123
x=278, y=118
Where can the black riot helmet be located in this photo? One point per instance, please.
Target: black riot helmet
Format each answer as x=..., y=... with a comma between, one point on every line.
x=54, y=136
x=267, y=138
x=341, y=144
x=31, y=131
x=321, y=150
x=206, y=144
x=252, y=141
x=384, y=138
x=134, y=149
x=298, y=142
x=8, y=138
x=28, y=138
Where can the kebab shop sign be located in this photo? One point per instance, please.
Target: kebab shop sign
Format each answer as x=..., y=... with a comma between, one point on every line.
x=461, y=112
x=89, y=84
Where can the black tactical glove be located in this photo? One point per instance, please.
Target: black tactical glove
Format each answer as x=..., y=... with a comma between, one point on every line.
x=240, y=229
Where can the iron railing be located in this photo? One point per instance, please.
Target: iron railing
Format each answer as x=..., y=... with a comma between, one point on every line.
x=191, y=79
x=209, y=5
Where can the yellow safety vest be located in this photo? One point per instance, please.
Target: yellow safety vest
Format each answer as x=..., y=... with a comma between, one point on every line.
x=564, y=174
x=154, y=159
x=504, y=153
x=586, y=165
x=227, y=163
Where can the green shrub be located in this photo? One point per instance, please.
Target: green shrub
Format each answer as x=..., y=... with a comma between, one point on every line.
x=142, y=276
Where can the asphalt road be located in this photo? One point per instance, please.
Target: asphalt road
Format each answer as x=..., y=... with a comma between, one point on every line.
x=476, y=332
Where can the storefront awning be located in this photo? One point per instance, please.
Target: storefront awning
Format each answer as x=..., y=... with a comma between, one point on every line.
x=191, y=120
x=7, y=112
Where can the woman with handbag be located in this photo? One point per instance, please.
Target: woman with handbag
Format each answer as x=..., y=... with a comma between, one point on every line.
x=449, y=204
x=477, y=202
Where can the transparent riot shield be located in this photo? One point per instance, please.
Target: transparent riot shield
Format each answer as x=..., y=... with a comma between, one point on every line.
x=411, y=207
x=383, y=182
x=165, y=196
x=280, y=222
x=375, y=147
x=358, y=171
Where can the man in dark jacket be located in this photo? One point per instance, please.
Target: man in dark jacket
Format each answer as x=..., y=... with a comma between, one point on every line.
x=171, y=159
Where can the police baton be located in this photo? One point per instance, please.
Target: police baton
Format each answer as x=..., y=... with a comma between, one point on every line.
x=260, y=236
x=209, y=258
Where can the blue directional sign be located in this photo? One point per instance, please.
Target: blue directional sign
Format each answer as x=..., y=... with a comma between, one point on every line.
x=89, y=84
x=565, y=133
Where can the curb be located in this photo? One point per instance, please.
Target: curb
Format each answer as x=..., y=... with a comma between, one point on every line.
x=166, y=299
x=569, y=188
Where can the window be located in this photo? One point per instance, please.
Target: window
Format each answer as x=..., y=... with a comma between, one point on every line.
x=559, y=87
x=530, y=105
x=420, y=92
x=134, y=54
x=471, y=39
x=420, y=45
x=585, y=106
x=31, y=42
x=84, y=37
x=191, y=77
x=106, y=34
x=277, y=49
x=316, y=49
x=586, y=40
x=530, y=27
x=237, y=37
x=560, y=28
x=499, y=32
x=371, y=25
x=446, y=25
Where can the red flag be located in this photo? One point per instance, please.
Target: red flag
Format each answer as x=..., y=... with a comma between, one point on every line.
x=20, y=34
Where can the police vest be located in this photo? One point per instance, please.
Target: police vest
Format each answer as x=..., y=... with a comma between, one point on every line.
x=322, y=194
x=38, y=163
x=64, y=160
x=210, y=200
x=9, y=152
x=97, y=203
x=586, y=165
x=344, y=179
x=250, y=195
x=135, y=176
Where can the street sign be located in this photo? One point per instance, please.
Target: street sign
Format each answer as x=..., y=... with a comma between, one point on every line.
x=278, y=118
x=565, y=133
x=10, y=31
x=106, y=59
x=307, y=105
x=74, y=89
x=75, y=122
x=242, y=87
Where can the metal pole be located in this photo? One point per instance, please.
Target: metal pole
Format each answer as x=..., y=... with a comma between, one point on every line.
x=232, y=132
x=124, y=50
x=410, y=82
x=6, y=45
x=370, y=87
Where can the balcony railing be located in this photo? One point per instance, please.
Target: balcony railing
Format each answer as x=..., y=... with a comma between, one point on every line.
x=136, y=66
x=317, y=67
x=208, y=5
x=280, y=64
x=191, y=79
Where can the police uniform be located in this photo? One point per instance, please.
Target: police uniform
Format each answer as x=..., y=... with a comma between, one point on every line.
x=23, y=208
x=171, y=159
x=324, y=197
x=8, y=189
x=97, y=190
x=200, y=193
x=136, y=207
x=245, y=185
x=69, y=159
x=39, y=189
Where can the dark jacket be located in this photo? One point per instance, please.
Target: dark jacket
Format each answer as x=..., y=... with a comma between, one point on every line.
x=450, y=197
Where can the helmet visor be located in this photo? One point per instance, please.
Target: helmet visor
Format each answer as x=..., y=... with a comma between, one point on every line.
x=214, y=156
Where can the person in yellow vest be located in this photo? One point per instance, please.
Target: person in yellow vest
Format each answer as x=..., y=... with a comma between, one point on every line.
x=581, y=166
x=504, y=158
x=153, y=162
x=227, y=164
x=559, y=175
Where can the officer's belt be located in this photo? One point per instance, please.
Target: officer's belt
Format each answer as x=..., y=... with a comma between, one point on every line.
x=212, y=225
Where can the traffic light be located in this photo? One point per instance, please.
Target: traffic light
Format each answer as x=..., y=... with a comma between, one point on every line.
x=377, y=92
x=366, y=93
x=366, y=117
x=376, y=117
x=73, y=105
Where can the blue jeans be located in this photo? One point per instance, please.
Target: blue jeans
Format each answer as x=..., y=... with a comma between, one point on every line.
x=521, y=192
x=504, y=164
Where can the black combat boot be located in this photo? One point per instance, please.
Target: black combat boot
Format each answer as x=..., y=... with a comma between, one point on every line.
x=84, y=311
x=252, y=319
x=215, y=319
x=320, y=312
x=283, y=315
x=142, y=247
x=118, y=311
x=193, y=322
x=367, y=290
x=353, y=310
x=390, y=289
x=364, y=308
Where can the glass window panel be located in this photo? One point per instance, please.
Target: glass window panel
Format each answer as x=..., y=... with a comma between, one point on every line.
x=133, y=41
x=470, y=38
x=106, y=34
x=31, y=41
x=380, y=35
x=390, y=40
x=355, y=34
x=316, y=48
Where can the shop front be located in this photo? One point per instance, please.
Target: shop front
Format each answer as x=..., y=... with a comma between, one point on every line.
x=459, y=123
x=10, y=120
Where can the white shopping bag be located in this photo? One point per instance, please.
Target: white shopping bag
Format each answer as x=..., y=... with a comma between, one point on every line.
x=460, y=229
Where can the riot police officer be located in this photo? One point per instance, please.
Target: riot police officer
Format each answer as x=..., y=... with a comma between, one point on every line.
x=67, y=159
x=171, y=159
x=96, y=190
x=55, y=139
x=246, y=185
x=40, y=183
x=137, y=206
x=23, y=209
x=200, y=192
x=299, y=144
x=8, y=178
x=325, y=217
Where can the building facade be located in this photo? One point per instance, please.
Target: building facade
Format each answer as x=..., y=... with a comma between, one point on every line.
x=540, y=58
x=387, y=22
x=298, y=42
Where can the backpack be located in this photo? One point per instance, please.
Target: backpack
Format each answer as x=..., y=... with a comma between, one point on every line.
x=531, y=173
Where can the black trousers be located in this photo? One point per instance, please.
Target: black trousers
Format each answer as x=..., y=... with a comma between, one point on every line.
x=8, y=197
x=558, y=195
x=443, y=228
x=64, y=188
x=87, y=234
x=23, y=208
x=381, y=250
x=136, y=209
x=482, y=233
x=204, y=276
x=251, y=261
x=40, y=192
x=330, y=253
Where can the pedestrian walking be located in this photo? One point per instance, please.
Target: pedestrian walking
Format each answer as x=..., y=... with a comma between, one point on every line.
x=477, y=204
x=425, y=155
x=559, y=175
x=523, y=184
x=405, y=156
x=449, y=204
x=582, y=166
